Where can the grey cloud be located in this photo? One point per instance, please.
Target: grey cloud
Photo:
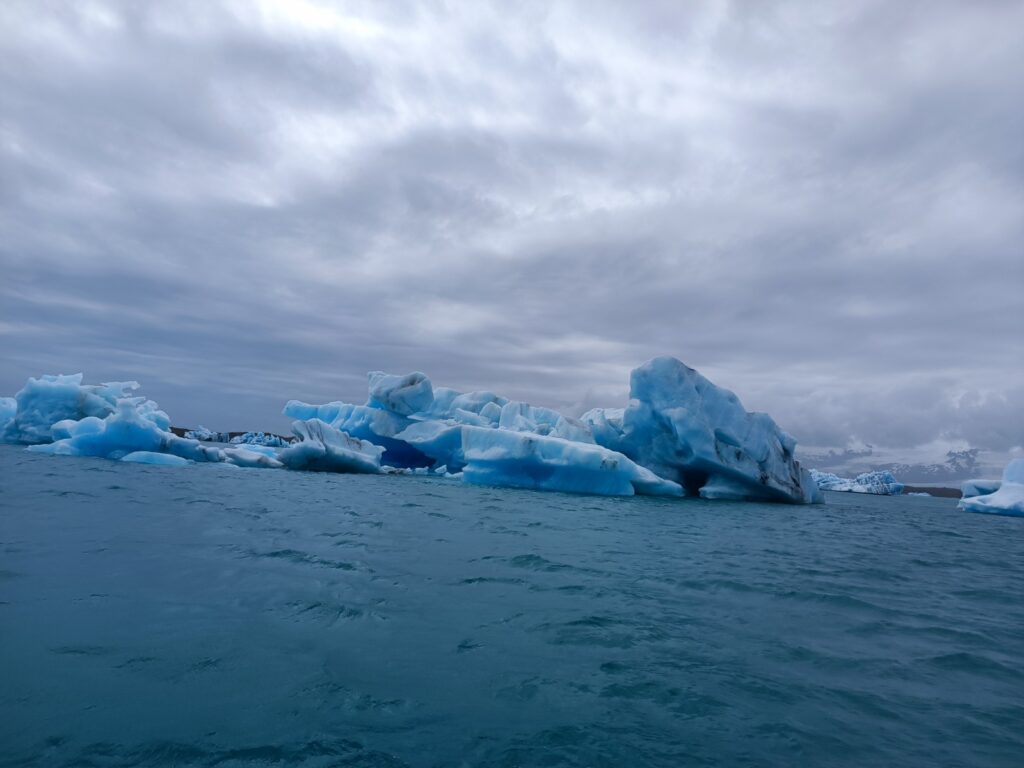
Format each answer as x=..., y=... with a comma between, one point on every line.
x=820, y=207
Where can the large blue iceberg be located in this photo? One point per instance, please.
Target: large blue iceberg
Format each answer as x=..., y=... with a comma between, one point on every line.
x=41, y=403
x=880, y=483
x=685, y=429
x=131, y=428
x=1007, y=499
x=60, y=415
x=680, y=435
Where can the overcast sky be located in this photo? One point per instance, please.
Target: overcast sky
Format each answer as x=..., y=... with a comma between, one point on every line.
x=819, y=205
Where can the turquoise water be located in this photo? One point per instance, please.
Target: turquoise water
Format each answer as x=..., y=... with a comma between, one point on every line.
x=212, y=616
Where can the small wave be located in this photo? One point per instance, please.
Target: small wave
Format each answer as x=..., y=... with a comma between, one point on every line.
x=303, y=558
x=973, y=663
x=81, y=650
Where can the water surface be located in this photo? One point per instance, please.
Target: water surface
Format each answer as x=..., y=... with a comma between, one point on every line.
x=214, y=616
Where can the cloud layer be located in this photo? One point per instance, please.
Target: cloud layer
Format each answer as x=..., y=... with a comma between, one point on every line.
x=819, y=205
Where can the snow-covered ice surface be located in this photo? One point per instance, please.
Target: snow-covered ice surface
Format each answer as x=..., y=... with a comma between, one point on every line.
x=1007, y=500
x=881, y=483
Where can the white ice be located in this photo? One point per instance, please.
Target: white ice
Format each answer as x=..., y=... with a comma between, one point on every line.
x=880, y=483
x=148, y=457
x=322, y=448
x=525, y=460
x=1007, y=500
x=252, y=456
x=259, y=438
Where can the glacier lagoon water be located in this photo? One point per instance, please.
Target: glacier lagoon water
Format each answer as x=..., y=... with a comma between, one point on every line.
x=216, y=616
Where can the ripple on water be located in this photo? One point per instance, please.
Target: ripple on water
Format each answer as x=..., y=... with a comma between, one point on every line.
x=217, y=618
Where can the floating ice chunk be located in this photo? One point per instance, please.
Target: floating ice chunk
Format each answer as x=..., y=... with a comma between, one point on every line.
x=403, y=395
x=322, y=448
x=206, y=435
x=969, y=488
x=148, y=457
x=525, y=460
x=1007, y=500
x=254, y=456
x=880, y=483
x=127, y=430
x=686, y=429
x=259, y=438
x=44, y=401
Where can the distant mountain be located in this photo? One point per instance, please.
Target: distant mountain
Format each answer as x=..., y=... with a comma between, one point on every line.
x=959, y=465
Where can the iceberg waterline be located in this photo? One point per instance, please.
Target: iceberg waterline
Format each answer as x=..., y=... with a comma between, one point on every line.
x=680, y=435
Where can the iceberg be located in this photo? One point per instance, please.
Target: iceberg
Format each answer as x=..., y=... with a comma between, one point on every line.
x=680, y=434
x=206, y=435
x=259, y=438
x=880, y=483
x=364, y=422
x=322, y=448
x=1008, y=499
x=969, y=488
x=43, y=402
x=135, y=425
x=685, y=429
